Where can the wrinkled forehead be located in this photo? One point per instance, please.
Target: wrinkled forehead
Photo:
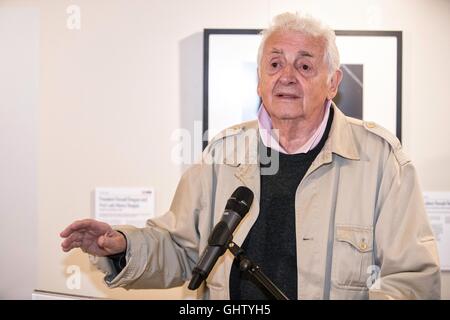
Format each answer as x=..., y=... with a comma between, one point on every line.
x=293, y=42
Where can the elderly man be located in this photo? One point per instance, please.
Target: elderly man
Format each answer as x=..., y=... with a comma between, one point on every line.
x=340, y=217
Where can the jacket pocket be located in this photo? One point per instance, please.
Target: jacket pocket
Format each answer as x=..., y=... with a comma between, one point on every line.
x=352, y=256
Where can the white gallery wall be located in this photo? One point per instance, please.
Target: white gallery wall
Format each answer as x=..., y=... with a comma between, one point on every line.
x=109, y=95
x=19, y=72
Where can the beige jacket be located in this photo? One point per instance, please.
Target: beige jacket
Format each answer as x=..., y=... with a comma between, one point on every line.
x=362, y=229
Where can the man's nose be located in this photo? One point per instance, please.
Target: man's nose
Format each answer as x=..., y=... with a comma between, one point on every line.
x=288, y=75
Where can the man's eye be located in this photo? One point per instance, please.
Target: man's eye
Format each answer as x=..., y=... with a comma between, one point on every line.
x=305, y=67
x=274, y=64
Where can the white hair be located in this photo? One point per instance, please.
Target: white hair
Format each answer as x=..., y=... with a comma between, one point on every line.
x=307, y=25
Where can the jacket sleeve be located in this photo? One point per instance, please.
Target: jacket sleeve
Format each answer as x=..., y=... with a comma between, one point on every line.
x=163, y=254
x=406, y=250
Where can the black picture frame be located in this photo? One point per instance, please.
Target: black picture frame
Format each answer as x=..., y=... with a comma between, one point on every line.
x=348, y=36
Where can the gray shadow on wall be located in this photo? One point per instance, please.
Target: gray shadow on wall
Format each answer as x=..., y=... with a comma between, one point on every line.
x=191, y=90
x=191, y=106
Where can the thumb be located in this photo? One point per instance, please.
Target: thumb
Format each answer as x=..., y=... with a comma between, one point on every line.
x=110, y=242
x=101, y=241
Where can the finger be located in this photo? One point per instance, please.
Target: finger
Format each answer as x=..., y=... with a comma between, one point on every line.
x=75, y=236
x=76, y=226
x=74, y=244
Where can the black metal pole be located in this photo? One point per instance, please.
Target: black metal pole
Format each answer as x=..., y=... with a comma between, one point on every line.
x=255, y=272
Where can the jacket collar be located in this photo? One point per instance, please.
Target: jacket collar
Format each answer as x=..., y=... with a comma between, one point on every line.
x=341, y=140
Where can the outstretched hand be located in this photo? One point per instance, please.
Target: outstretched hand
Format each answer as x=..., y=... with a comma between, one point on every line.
x=93, y=237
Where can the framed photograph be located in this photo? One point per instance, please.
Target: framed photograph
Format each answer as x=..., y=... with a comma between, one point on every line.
x=371, y=88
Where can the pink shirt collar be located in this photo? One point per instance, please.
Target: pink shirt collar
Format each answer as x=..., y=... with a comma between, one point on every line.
x=269, y=139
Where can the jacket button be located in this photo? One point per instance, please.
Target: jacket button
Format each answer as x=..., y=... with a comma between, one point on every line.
x=363, y=245
x=371, y=125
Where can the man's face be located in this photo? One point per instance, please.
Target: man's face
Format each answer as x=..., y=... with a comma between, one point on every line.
x=293, y=83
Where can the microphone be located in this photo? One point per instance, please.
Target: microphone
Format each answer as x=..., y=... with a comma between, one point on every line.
x=237, y=207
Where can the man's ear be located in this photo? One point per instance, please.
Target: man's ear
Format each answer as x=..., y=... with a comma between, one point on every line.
x=334, y=84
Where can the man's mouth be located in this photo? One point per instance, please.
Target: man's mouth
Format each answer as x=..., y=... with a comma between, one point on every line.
x=287, y=95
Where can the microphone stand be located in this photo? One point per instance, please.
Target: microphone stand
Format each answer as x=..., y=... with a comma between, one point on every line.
x=248, y=266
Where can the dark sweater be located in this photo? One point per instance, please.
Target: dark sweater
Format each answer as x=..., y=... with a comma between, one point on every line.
x=271, y=243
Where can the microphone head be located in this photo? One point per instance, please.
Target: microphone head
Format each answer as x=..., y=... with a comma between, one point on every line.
x=240, y=201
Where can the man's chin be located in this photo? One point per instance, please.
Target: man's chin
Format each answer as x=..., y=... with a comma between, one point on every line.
x=285, y=116
x=289, y=112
